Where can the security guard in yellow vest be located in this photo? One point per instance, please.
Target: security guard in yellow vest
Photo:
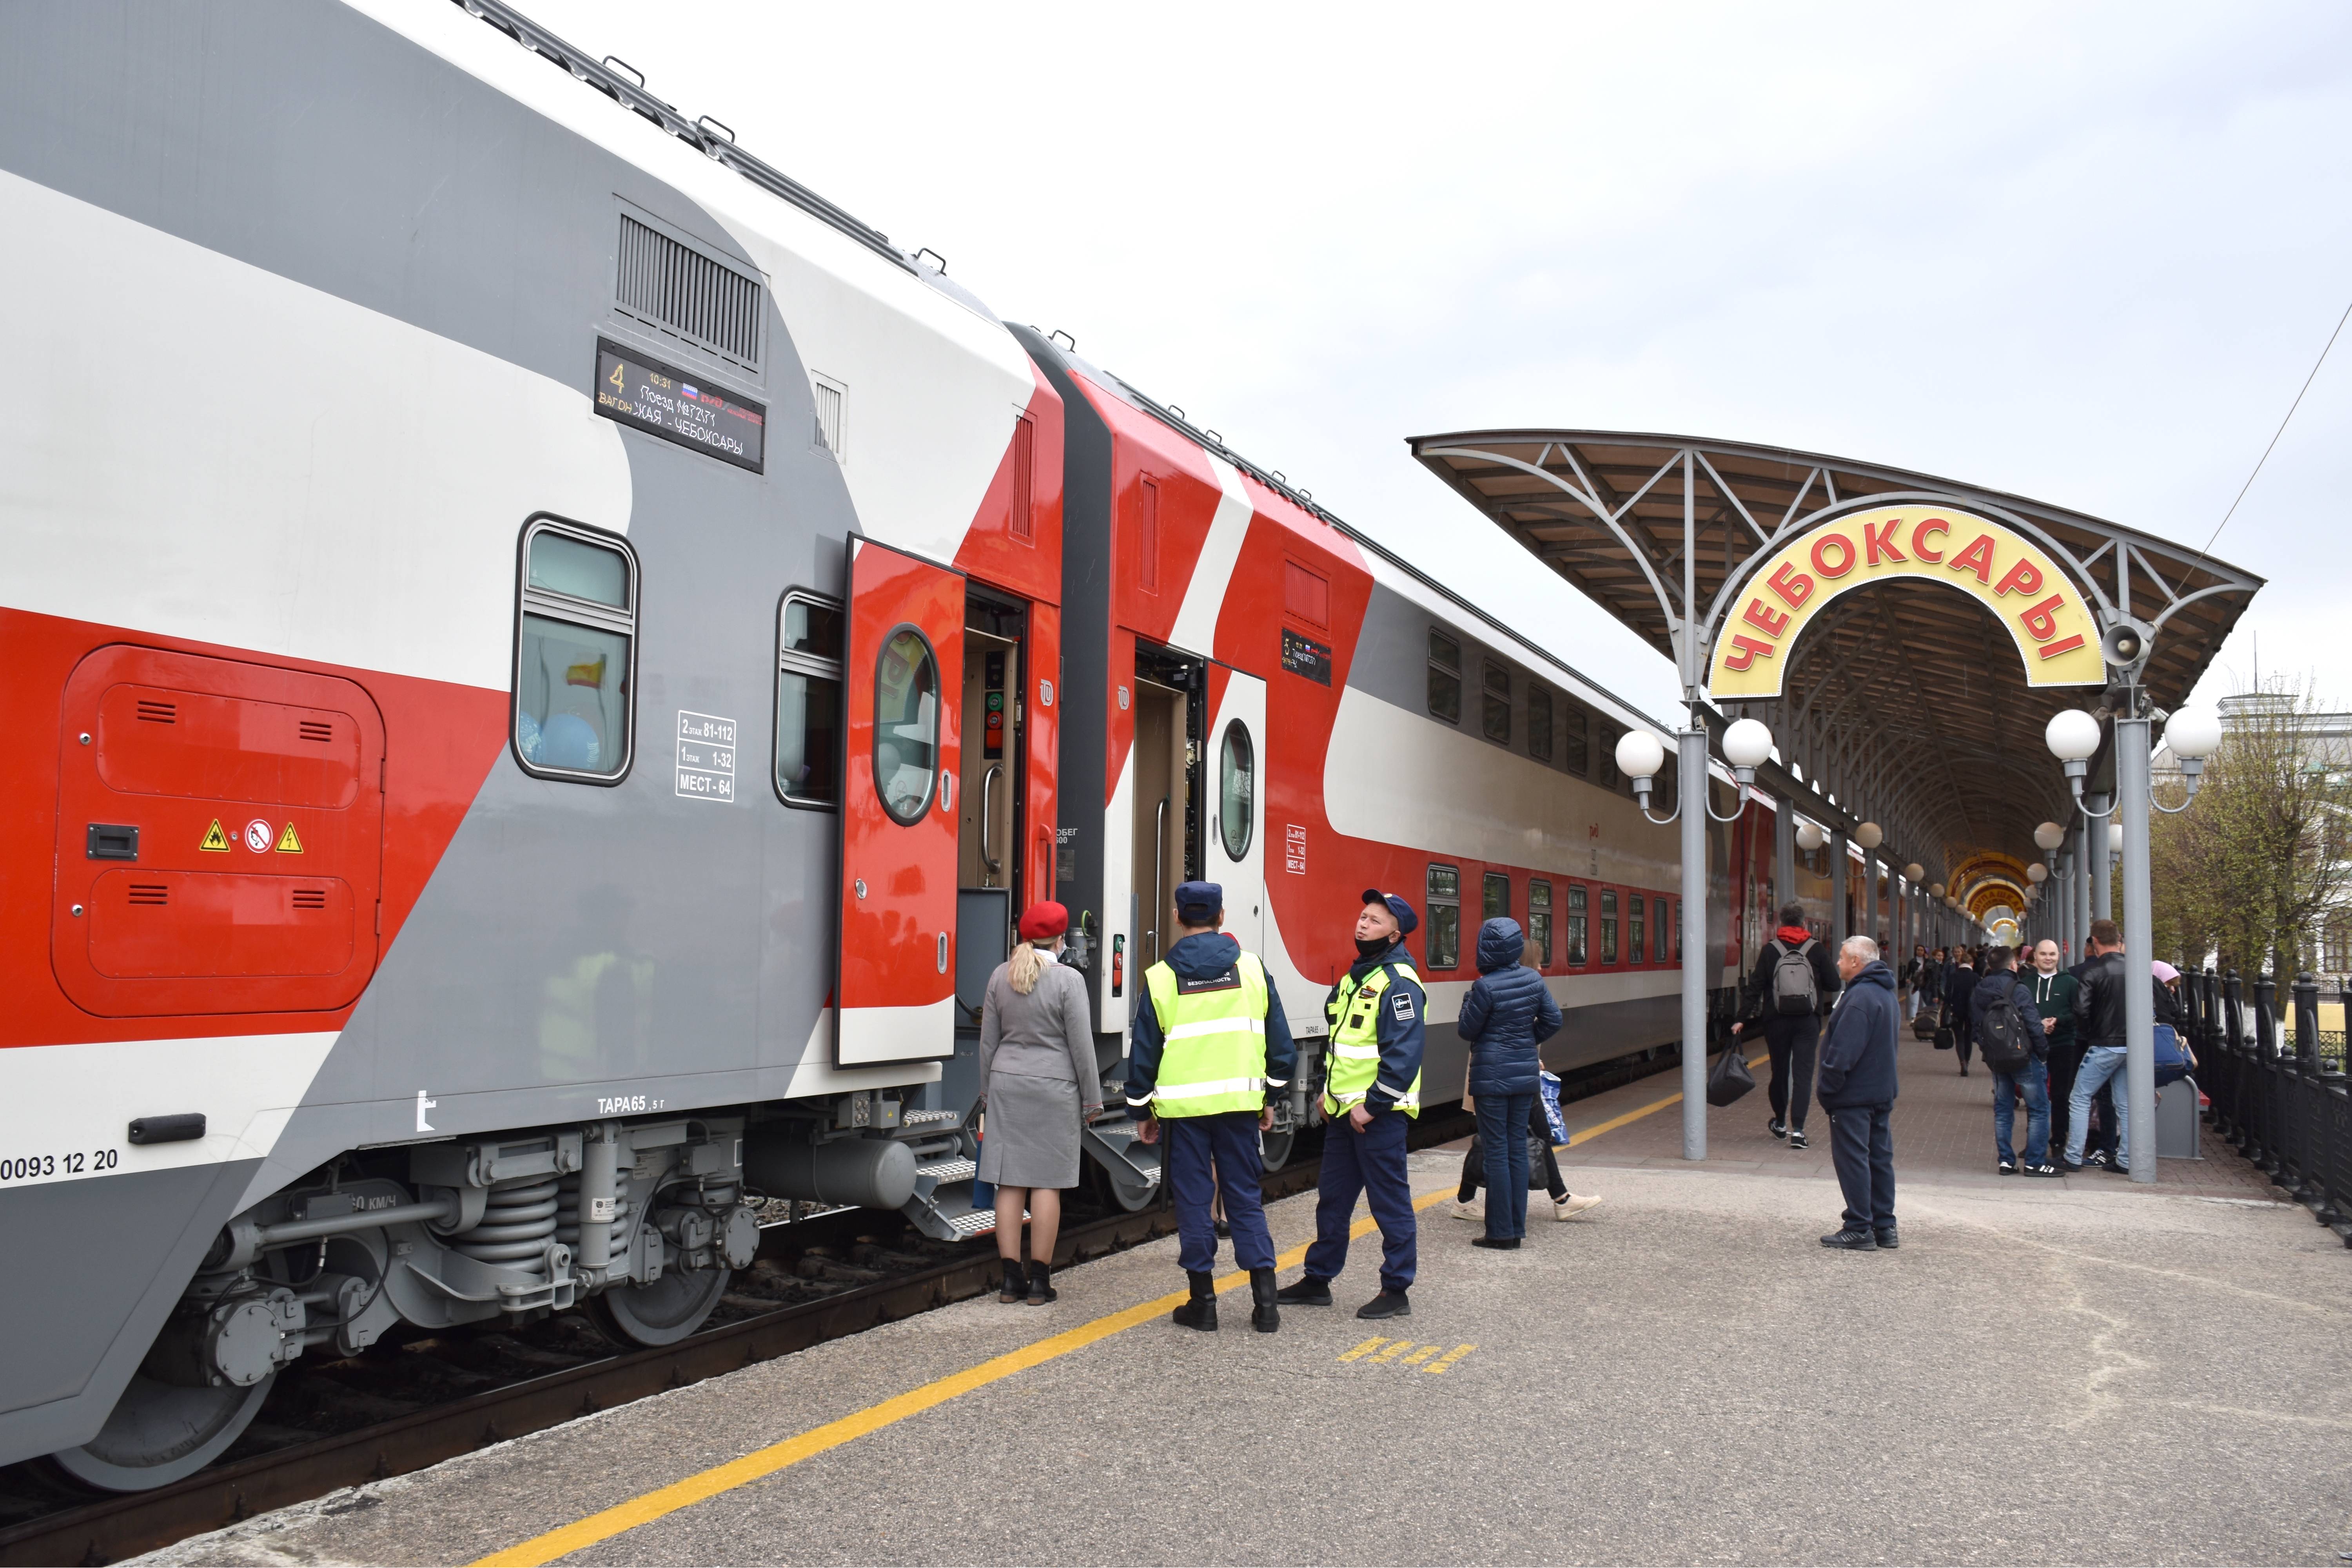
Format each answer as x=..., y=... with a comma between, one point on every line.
x=1210, y=1051
x=1372, y=1094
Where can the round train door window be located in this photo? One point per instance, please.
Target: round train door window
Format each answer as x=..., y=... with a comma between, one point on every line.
x=1237, y=790
x=905, y=724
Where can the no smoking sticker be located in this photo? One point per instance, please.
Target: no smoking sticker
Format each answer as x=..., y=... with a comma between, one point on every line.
x=258, y=836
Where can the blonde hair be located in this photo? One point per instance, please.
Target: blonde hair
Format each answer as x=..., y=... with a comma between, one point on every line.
x=1027, y=962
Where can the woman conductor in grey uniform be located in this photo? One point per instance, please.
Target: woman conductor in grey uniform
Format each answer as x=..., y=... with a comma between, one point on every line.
x=1039, y=1083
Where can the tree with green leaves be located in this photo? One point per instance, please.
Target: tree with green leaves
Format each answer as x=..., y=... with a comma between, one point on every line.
x=2258, y=867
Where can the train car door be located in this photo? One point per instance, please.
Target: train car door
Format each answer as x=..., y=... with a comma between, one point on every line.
x=895, y=992
x=1167, y=809
x=993, y=788
x=1236, y=841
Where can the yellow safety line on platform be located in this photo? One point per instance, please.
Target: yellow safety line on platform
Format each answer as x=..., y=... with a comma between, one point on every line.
x=1445, y=1363
x=764, y=1462
x=767, y=1462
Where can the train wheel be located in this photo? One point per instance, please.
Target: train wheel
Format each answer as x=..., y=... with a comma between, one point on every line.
x=161, y=1432
x=663, y=1313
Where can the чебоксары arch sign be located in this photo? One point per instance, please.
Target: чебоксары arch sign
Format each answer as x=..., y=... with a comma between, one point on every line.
x=2057, y=638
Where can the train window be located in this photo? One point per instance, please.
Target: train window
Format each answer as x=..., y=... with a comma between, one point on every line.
x=1609, y=777
x=1445, y=678
x=1608, y=925
x=1236, y=790
x=1634, y=936
x=1678, y=930
x=1575, y=924
x=808, y=701
x=571, y=689
x=1538, y=723
x=1576, y=749
x=1658, y=925
x=1444, y=917
x=905, y=724
x=1494, y=895
x=1539, y=918
x=1498, y=703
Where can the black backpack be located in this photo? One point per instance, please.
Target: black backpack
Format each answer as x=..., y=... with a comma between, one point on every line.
x=1796, y=991
x=2004, y=1036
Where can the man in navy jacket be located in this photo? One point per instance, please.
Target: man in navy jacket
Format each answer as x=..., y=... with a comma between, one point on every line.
x=1857, y=1089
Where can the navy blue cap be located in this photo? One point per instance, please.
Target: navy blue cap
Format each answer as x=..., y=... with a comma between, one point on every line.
x=1198, y=902
x=1407, y=921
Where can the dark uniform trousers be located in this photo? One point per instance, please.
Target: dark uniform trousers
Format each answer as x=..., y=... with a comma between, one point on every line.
x=1229, y=1141
x=1370, y=1163
x=1861, y=1147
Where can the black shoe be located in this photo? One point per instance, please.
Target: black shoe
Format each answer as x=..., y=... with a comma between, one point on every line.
x=1776, y=1127
x=2070, y=1168
x=1888, y=1239
x=1200, y=1311
x=2008, y=1167
x=1851, y=1240
x=1016, y=1281
x=1797, y=1138
x=1309, y=1291
x=1223, y=1231
x=1964, y=1069
x=1387, y=1304
x=1501, y=1243
x=1264, y=1316
x=2096, y=1159
x=2118, y=1168
x=1041, y=1283
x=2042, y=1170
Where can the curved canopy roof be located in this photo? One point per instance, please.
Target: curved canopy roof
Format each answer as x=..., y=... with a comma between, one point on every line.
x=1908, y=700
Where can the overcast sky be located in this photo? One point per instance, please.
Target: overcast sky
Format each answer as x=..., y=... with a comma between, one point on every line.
x=2083, y=253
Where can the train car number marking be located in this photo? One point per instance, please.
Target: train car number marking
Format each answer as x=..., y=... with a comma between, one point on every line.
x=625, y=1104
x=76, y=1161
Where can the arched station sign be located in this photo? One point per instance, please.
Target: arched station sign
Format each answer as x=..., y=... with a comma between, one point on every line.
x=2056, y=636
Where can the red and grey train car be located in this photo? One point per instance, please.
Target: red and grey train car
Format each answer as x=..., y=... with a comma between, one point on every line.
x=531, y=738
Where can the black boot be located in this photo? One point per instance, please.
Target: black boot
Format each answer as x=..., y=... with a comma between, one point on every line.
x=1041, y=1283
x=1309, y=1291
x=1016, y=1281
x=1200, y=1311
x=1265, y=1317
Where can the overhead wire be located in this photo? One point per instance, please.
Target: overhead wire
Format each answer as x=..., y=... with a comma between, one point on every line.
x=2283, y=423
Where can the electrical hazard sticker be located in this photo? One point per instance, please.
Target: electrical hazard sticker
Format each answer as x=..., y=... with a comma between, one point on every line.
x=289, y=843
x=1400, y=1006
x=215, y=839
x=258, y=836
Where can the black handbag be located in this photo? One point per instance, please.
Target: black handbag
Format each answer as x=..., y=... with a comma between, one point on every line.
x=1730, y=1078
x=1944, y=1039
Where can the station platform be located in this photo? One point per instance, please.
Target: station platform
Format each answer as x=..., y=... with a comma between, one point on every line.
x=2080, y=1371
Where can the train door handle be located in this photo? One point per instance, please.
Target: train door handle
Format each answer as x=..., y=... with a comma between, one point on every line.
x=988, y=816
x=943, y=952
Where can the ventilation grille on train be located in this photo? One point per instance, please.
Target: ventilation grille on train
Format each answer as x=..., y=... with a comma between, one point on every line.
x=159, y=713
x=314, y=730
x=150, y=893
x=684, y=292
x=310, y=898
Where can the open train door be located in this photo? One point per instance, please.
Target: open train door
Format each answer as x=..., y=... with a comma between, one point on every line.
x=895, y=988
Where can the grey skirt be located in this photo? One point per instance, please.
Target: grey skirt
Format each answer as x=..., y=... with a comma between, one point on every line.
x=1031, y=1137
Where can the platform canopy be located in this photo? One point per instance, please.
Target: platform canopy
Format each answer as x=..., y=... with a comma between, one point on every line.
x=1917, y=706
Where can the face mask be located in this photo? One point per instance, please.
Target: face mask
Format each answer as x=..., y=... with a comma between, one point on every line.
x=1374, y=946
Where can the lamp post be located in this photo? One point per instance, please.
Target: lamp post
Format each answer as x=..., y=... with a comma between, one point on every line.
x=2047, y=838
x=1911, y=875
x=1868, y=836
x=1746, y=744
x=2192, y=734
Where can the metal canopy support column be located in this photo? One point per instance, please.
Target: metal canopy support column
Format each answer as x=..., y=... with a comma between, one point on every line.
x=1691, y=775
x=1870, y=894
x=1784, y=856
x=2139, y=940
x=1841, y=887
x=2101, y=860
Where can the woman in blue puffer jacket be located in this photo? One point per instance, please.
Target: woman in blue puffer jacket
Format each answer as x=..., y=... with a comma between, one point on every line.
x=1508, y=1014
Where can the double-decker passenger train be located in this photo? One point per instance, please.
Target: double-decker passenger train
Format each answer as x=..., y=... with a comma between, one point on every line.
x=538, y=732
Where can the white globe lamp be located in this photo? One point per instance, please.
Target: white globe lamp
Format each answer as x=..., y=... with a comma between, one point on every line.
x=2072, y=736
x=1913, y=873
x=2049, y=836
x=2037, y=872
x=1810, y=837
x=1869, y=836
x=1746, y=746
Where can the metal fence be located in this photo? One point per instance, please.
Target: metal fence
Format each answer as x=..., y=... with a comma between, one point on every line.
x=2277, y=1081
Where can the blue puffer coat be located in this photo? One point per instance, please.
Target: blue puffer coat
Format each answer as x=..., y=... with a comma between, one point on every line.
x=1509, y=1012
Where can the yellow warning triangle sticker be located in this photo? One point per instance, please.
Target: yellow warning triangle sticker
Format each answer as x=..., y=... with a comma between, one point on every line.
x=289, y=843
x=214, y=838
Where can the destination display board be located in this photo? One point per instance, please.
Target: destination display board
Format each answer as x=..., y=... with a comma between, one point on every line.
x=669, y=402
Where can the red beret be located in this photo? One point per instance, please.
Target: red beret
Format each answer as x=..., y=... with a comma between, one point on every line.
x=1044, y=922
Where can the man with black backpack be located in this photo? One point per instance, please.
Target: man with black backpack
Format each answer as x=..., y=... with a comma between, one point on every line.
x=1791, y=987
x=2006, y=1024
